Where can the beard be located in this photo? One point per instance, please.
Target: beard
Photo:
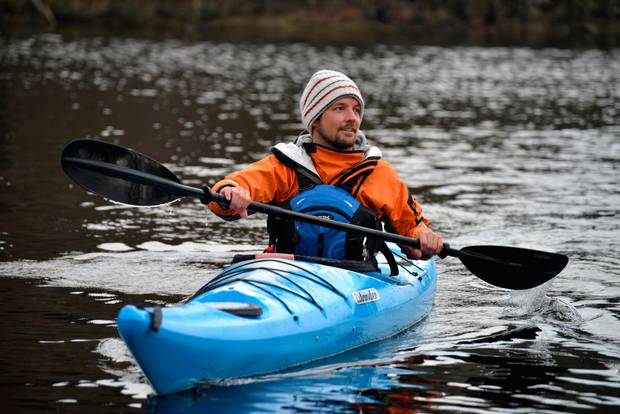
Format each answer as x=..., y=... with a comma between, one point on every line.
x=338, y=140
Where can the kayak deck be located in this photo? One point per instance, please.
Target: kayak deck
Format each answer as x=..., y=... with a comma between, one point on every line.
x=306, y=311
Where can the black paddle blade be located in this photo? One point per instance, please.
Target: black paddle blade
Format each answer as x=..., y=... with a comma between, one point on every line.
x=512, y=267
x=112, y=187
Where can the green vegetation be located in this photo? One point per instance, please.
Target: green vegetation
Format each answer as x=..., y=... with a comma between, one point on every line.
x=537, y=22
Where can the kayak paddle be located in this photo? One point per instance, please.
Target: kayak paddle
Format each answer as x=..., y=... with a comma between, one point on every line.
x=129, y=177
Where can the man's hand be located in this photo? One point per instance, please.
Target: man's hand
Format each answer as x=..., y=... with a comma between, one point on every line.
x=239, y=199
x=430, y=245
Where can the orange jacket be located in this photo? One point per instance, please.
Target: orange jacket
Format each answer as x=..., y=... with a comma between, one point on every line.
x=268, y=180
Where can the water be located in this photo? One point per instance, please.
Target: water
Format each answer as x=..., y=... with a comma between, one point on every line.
x=509, y=146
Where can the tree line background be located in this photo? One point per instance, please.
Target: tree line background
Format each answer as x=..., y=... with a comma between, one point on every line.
x=542, y=22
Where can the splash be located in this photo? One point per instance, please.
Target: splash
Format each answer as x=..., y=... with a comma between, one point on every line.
x=537, y=302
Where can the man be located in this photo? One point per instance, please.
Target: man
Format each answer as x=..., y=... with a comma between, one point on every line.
x=335, y=152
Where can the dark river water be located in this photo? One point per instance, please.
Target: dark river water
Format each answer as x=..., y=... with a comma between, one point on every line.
x=508, y=146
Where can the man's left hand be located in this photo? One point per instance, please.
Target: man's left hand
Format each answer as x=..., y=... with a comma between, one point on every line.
x=430, y=245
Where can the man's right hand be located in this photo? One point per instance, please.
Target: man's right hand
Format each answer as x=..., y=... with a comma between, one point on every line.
x=239, y=199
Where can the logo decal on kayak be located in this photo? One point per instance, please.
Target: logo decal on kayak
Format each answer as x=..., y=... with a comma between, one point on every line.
x=366, y=296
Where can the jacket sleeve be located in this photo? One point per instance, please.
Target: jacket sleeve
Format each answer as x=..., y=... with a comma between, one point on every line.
x=267, y=180
x=386, y=193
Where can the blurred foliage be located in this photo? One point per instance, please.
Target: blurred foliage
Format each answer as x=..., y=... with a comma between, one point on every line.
x=491, y=21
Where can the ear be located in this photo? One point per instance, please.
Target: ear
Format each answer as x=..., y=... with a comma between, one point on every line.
x=315, y=124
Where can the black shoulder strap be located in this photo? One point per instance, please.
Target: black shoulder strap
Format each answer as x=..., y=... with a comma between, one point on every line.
x=349, y=179
x=306, y=179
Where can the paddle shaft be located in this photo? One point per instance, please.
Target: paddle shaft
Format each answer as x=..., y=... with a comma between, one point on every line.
x=337, y=225
x=207, y=196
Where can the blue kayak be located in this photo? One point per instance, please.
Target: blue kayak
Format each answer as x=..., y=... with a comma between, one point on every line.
x=269, y=313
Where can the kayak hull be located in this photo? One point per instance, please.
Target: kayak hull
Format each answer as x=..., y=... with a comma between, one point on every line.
x=309, y=311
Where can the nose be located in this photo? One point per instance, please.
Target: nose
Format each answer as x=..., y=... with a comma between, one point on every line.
x=352, y=115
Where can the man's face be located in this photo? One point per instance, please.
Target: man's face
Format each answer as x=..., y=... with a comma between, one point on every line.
x=337, y=126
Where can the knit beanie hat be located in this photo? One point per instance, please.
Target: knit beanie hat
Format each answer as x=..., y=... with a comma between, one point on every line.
x=323, y=88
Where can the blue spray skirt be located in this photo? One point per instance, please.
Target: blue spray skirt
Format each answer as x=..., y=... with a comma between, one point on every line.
x=269, y=314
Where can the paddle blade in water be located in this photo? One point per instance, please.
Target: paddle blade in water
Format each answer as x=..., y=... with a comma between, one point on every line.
x=512, y=267
x=112, y=187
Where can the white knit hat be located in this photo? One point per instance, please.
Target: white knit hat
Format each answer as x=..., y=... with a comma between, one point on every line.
x=323, y=88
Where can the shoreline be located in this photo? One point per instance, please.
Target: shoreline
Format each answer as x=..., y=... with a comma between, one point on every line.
x=351, y=25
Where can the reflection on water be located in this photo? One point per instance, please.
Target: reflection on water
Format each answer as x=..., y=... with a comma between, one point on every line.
x=508, y=146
